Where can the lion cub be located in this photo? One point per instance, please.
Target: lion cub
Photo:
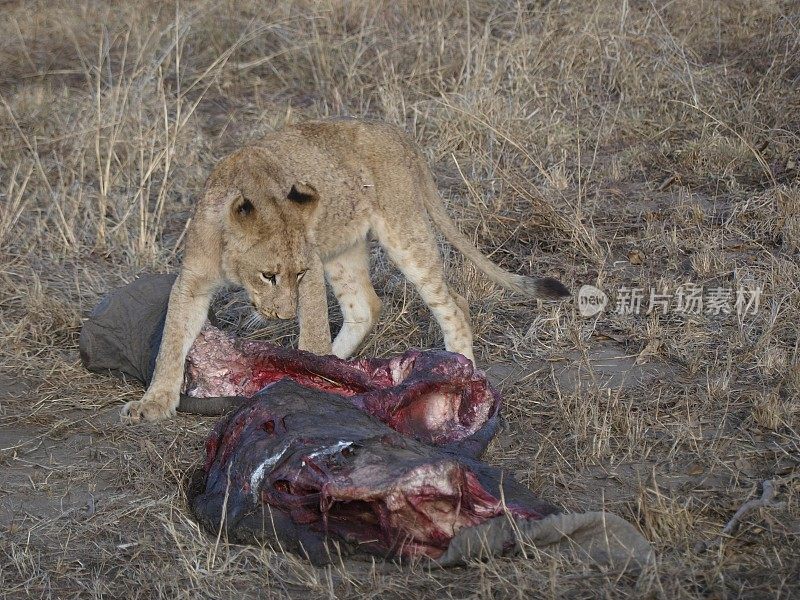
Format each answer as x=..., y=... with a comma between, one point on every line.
x=281, y=216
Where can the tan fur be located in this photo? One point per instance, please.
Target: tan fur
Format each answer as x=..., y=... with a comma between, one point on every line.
x=299, y=205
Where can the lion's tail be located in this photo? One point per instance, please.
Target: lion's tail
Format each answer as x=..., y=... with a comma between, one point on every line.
x=546, y=288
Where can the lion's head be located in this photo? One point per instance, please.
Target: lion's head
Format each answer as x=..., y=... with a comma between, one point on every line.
x=265, y=247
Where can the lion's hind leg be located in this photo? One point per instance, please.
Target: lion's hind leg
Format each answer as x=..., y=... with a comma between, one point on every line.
x=412, y=246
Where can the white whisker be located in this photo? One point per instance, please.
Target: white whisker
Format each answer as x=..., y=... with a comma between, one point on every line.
x=254, y=320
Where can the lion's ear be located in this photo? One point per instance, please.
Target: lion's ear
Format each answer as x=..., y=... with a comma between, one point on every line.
x=241, y=207
x=303, y=193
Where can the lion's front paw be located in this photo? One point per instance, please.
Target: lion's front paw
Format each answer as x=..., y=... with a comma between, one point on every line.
x=152, y=407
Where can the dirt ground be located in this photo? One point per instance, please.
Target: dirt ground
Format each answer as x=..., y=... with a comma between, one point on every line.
x=621, y=144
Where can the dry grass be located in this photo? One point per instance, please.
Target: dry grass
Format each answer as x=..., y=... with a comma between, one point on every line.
x=614, y=142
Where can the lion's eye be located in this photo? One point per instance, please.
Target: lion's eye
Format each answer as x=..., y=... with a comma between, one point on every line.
x=268, y=277
x=301, y=274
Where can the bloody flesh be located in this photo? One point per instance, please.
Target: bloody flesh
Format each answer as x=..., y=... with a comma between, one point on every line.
x=338, y=471
x=437, y=397
x=336, y=446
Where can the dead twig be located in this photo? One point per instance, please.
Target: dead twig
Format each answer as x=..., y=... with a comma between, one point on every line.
x=766, y=501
